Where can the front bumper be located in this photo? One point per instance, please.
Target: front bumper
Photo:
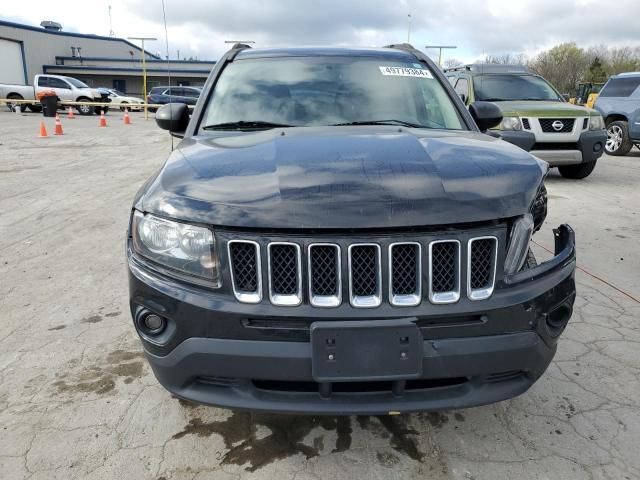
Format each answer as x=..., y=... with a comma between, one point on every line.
x=234, y=359
x=589, y=148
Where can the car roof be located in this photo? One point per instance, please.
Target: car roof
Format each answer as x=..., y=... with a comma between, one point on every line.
x=626, y=74
x=325, y=51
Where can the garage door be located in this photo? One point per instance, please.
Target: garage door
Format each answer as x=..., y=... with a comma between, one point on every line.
x=12, y=70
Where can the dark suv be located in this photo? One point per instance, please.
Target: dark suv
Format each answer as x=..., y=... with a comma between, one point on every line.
x=335, y=234
x=163, y=95
x=619, y=104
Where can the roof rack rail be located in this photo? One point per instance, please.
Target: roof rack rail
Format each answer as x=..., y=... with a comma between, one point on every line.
x=490, y=68
x=236, y=49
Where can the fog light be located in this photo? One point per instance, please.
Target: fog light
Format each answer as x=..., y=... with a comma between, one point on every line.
x=597, y=147
x=154, y=323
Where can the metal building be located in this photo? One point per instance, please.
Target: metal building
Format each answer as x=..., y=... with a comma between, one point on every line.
x=98, y=61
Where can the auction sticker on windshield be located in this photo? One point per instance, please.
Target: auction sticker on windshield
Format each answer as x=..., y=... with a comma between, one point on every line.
x=406, y=72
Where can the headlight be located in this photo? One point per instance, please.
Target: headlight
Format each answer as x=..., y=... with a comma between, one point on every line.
x=596, y=122
x=510, y=123
x=539, y=207
x=188, y=251
x=518, y=244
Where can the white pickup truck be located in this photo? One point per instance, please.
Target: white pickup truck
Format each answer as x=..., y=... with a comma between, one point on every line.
x=66, y=88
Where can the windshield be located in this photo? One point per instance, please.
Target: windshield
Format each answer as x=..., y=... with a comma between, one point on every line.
x=76, y=83
x=324, y=90
x=117, y=93
x=494, y=88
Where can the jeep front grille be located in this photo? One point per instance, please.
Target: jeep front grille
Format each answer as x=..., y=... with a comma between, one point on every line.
x=444, y=271
x=547, y=125
x=365, y=275
x=481, y=267
x=369, y=273
x=325, y=279
x=405, y=273
x=285, y=275
x=246, y=273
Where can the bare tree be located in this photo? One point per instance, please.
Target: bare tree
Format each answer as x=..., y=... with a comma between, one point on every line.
x=564, y=65
x=506, y=59
x=452, y=63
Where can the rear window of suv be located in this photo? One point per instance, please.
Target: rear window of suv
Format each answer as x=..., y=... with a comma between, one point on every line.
x=620, y=87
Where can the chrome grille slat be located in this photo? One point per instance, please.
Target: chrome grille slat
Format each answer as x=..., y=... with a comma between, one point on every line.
x=246, y=270
x=405, y=274
x=444, y=271
x=482, y=256
x=285, y=273
x=325, y=275
x=365, y=275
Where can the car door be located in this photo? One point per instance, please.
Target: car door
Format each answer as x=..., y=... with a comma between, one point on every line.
x=62, y=88
x=191, y=95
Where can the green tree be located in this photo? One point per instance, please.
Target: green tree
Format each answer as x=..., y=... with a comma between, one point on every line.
x=596, y=71
x=564, y=66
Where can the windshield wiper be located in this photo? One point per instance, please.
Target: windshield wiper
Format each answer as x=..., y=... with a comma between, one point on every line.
x=493, y=100
x=381, y=122
x=243, y=125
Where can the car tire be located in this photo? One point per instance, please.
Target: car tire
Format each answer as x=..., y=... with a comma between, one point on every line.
x=577, y=172
x=13, y=96
x=618, y=141
x=35, y=108
x=84, y=110
x=124, y=106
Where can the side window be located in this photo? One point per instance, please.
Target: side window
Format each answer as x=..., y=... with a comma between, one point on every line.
x=177, y=92
x=462, y=88
x=57, y=83
x=43, y=81
x=190, y=92
x=620, y=87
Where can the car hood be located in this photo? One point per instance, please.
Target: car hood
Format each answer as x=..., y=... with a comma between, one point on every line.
x=522, y=108
x=347, y=178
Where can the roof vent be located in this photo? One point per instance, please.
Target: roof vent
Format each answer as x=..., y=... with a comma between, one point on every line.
x=51, y=26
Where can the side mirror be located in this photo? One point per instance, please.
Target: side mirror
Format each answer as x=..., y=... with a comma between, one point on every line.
x=173, y=117
x=486, y=114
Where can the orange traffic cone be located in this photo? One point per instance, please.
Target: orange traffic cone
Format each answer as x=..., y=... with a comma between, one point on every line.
x=126, y=119
x=70, y=113
x=58, y=126
x=103, y=120
x=43, y=130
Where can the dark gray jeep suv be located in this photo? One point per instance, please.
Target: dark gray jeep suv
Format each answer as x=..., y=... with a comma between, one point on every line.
x=335, y=234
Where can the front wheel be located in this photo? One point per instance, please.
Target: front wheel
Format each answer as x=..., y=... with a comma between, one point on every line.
x=35, y=108
x=618, y=141
x=124, y=106
x=12, y=106
x=577, y=172
x=84, y=109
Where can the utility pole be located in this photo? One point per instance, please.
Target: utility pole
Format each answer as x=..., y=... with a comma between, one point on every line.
x=440, y=48
x=144, y=71
x=111, y=34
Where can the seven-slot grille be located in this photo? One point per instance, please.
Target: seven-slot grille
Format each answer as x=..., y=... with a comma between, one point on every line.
x=322, y=270
x=547, y=125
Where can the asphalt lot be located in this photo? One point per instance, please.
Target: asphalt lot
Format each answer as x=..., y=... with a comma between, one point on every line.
x=77, y=399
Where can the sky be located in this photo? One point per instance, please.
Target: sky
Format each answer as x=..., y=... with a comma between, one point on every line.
x=199, y=28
